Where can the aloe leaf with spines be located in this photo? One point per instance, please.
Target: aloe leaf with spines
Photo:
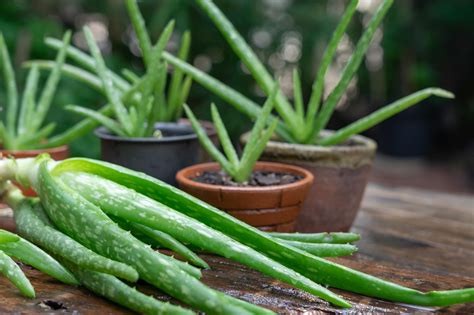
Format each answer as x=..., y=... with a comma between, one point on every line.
x=117, y=291
x=238, y=169
x=156, y=241
x=327, y=238
x=30, y=254
x=297, y=126
x=166, y=241
x=323, y=250
x=34, y=227
x=10, y=269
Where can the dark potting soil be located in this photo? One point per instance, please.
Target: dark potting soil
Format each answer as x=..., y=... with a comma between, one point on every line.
x=257, y=179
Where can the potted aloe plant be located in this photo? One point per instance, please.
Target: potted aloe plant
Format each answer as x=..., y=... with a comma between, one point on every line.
x=340, y=160
x=23, y=132
x=263, y=194
x=140, y=125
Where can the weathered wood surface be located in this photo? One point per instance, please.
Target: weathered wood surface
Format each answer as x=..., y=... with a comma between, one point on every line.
x=412, y=237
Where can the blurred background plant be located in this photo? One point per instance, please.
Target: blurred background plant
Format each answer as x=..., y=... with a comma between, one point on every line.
x=421, y=43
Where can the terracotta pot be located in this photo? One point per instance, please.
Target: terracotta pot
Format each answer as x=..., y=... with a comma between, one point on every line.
x=271, y=208
x=57, y=153
x=341, y=174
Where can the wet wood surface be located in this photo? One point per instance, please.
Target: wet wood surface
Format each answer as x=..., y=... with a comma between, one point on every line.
x=416, y=238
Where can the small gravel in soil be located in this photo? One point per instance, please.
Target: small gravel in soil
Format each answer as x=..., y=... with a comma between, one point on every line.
x=257, y=179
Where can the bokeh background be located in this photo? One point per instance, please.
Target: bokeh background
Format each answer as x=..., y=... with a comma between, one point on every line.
x=421, y=43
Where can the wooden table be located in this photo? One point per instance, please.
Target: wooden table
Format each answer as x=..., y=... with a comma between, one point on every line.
x=417, y=238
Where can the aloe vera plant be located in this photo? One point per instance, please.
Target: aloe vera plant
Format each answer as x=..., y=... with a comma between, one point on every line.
x=238, y=168
x=135, y=102
x=82, y=196
x=23, y=127
x=300, y=124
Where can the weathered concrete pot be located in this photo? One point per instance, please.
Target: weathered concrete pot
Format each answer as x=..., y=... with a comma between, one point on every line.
x=340, y=176
x=270, y=208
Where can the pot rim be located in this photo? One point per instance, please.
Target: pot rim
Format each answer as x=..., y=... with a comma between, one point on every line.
x=60, y=148
x=104, y=134
x=363, y=144
x=182, y=177
x=206, y=124
x=346, y=156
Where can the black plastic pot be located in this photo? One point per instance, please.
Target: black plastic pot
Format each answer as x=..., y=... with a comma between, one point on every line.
x=159, y=157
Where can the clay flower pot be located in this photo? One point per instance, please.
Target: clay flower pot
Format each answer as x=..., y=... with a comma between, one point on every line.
x=57, y=153
x=270, y=208
x=161, y=157
x=341, y=174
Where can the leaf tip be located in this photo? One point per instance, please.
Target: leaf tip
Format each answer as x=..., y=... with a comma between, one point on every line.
x=443, y=93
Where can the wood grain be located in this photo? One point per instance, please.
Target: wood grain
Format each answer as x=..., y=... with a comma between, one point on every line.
x=412, y=237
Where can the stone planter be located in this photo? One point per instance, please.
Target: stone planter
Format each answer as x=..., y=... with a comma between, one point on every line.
x=340, y=176
x=270, y=208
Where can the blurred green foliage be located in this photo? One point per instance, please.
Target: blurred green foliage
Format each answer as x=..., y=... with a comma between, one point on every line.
x=424, y=43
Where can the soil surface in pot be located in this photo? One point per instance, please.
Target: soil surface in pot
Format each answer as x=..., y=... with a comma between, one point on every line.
x=257, y=179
